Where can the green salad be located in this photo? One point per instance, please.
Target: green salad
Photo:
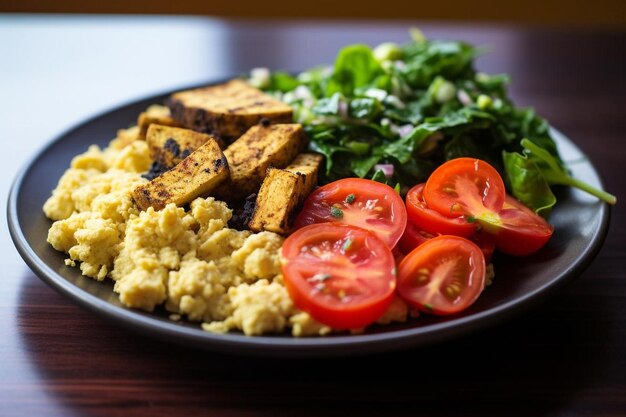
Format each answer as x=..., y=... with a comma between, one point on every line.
x=396, y=112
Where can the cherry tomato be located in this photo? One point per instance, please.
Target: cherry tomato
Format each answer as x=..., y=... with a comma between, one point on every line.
x=465, y=186
x=412, y=237
x=517, y=230
x=486, y=242
x=358, y=202
x=432, y=221
x=342, y=275
x=444, y=275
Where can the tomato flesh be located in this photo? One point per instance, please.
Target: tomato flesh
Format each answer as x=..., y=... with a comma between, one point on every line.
x=412, y=237
x=358, y=202
x=343, y=276
x=486, y=242
x=443, y=276
x=465, y=187
x=517, y=230
x=431, y=220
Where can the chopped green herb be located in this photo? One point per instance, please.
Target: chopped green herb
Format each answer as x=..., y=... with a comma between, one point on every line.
x=336, y=212
x=350, y=198
x=470, y=219
x=428, y=307
x=347, y=245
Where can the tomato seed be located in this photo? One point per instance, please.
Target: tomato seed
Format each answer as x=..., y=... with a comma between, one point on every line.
x=422, y=279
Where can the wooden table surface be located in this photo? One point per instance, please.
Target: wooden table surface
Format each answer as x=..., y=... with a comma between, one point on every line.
x=566, y=357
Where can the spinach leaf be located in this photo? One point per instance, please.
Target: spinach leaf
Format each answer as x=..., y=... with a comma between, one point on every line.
x=555, y=174
x=355, y=67
x=432, y=90
x=283, y=82
x=361, y=167
x=327, y=106
x=528, y=184
x=364, y=108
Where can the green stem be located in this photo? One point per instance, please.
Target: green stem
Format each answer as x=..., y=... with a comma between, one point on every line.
x=602, y=195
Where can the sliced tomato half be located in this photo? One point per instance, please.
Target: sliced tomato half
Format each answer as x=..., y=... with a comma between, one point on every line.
x=343, y=276
x=427, y=219
x=465, y=187
x=412, y=237
x=442, y=276
x=517, y=230
x=358, y=202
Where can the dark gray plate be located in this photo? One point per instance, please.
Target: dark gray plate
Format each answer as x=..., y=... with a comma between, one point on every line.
x=580, y=221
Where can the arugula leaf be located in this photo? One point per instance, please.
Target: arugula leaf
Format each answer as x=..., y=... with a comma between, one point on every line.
x=555, y=174
x=527, y=183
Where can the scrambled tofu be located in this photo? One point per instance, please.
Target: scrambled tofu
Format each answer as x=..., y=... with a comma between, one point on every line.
x=282, y=193
x=227, y=110
x=197, y=175
x=258, y=149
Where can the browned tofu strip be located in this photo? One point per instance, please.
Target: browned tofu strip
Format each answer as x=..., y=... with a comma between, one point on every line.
x=227, y=110
x=250, y=156
x=282, y=193
x=195, y=176
x=154, y=114
x=170, y=145
x=306, y=165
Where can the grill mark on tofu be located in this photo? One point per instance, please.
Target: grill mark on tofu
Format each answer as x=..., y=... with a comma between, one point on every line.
x=227, y=110
x=282, y=193
x=191, y=178
x=259, y=148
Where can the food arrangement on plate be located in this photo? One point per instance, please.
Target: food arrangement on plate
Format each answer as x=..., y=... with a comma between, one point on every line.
x=368, y=192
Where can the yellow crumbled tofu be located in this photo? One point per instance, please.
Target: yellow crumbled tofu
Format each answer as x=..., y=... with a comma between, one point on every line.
x=282, y=192
x=170, y=145
x=155, y=114
x=227, y=110
x=126, y=136
x=258, y=149
x=196, y=175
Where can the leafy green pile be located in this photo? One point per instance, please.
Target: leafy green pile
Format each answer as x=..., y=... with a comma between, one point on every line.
x=395, y=113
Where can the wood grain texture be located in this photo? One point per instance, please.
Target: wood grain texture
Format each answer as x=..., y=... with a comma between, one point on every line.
x=566, y=357
x=561, y=12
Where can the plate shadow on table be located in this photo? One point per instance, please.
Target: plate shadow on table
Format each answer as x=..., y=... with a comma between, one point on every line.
x=526, y=366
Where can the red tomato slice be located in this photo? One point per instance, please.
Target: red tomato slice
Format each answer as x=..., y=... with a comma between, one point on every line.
x=465, y=186
x=358, y=202
x=432, y=221
x=412, y=237
x=343, y=276
x=486, y=242
x=442, y=276
x=518, y=231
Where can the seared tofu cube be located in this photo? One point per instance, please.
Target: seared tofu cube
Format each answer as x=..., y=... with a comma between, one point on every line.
x=306, y=165
x=155, y=114
x=258, y=149
x=170, y=145
x=195, y=176
x=227, y=110
x=282, y=194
